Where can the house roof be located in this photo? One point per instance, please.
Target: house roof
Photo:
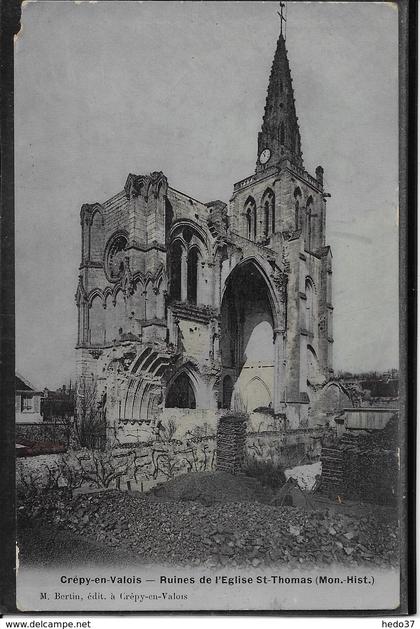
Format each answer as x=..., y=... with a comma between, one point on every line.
x=22, y=384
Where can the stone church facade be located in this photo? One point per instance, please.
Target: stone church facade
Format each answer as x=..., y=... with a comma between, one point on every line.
x=188, y=308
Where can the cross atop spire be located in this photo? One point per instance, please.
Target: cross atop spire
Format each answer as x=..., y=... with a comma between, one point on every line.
x=282, y=19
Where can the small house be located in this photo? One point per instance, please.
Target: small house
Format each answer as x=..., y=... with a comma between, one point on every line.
x=27, y=401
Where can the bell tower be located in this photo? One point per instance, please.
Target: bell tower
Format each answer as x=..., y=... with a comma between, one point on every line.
x=279, y=137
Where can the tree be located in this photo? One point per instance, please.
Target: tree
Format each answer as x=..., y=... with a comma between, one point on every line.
x=90, y=417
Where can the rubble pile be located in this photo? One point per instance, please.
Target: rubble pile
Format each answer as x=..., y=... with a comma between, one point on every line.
x=362, y=466
x=231, y=438
x=231, y=534
x=211, y=487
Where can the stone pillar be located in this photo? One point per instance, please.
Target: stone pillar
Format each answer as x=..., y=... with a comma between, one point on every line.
x=177, y=334
x=85, y=323
x=231, y=437
x=184, y=275
x=204, y=282
x=79, y=324
x=323, y=222
x=303, y=364
x=200, y=282
x=217, y=272
x=239, y=335
x=279, y=384
x=216, y=346
x=208, y=275
x=319, y=172
x=171, y=327
x=277, y=207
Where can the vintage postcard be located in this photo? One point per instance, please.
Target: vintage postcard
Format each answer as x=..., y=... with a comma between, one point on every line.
x=210, y=403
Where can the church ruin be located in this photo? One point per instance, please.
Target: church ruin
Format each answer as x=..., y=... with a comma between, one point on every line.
x=188, y=307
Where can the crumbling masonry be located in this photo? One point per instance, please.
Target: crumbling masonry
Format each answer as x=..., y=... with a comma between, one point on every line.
x=184, y=305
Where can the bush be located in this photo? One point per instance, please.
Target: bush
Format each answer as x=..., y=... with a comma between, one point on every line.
x=96, y=468
x=269, y=474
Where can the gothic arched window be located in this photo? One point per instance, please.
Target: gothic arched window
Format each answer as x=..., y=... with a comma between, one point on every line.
x=251, y=217
x=313, y=367
x=269, y=216
x=282, y=133
x=175, y=270
x=97, y=236
x=119, y=318
x=96, y=322
x=187, y=250
x=310, y=305
x=298, y=197
x=138, y=301
x=116, y=252
x=109, y=319
x=249, y=223
x=266, y=218
x=150, y=309
x=160, y=301
x=192, y=275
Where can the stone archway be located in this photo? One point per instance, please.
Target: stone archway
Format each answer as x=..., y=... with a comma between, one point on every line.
x=258, y=394
x=248, y=339
x=181, y=393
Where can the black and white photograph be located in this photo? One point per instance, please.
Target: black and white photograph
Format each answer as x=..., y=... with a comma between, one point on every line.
x=208, y=377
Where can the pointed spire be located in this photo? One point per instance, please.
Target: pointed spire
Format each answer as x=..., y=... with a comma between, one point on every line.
x=280, y=130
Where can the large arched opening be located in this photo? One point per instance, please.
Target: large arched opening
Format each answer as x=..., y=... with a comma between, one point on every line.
x=313, y=372
x=247, y=339
x=181, y=393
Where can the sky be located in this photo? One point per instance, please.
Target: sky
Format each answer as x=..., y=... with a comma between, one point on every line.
x=103, y=89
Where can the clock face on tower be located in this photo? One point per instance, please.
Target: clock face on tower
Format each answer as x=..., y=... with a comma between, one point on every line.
x=265, y=156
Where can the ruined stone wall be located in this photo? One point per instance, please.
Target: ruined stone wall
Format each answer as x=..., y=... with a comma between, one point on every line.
x=178, y=423
x=139, y=467
x=327, y=402
x=185, y=207
x=54, y=432
x=194, y=339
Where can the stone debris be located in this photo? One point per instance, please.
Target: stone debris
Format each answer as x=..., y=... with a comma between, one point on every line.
x=223, y=534
x=210, y=487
